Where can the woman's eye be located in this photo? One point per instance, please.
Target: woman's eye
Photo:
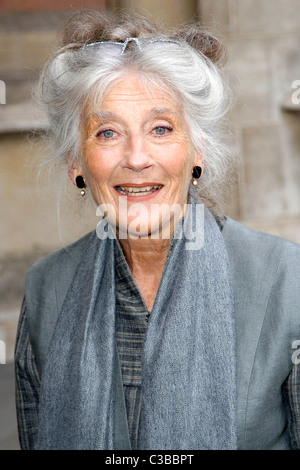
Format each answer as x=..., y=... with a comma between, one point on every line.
x=162, y=130
x=107, y=134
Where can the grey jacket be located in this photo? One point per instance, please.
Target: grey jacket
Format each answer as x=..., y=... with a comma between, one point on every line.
x=266, y=281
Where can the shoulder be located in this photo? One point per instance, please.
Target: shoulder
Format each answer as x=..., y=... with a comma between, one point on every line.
x=265, y=272
x=48, y=280
x=258, y=248
x=46, y=285
x=62, y=260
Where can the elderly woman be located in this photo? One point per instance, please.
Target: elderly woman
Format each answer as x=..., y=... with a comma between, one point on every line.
x=170, y=326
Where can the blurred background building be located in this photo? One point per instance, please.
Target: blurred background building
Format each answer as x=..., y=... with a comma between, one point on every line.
x=262, y=37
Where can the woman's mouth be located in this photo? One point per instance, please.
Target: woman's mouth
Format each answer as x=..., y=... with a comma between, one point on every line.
x=138, y=190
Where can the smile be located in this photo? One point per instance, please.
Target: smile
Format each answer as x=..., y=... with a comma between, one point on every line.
x=138, y=190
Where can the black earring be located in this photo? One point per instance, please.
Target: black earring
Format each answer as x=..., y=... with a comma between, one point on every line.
x=197, y=171
x=81, y=184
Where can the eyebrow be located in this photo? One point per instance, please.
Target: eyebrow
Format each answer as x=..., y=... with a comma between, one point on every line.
x=108, y=115
x=103, y=116
x=162, y=112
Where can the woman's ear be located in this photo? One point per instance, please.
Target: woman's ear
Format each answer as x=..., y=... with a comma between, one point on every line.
x=199, y=160
x=200, y=154
x=73, y=173
x=73, y=170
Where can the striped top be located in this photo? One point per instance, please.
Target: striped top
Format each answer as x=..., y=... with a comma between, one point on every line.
x=131, y=325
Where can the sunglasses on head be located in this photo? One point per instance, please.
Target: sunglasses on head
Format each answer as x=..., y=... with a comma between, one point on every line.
x=123, y=45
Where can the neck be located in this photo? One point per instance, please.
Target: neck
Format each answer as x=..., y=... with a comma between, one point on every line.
x=145, y=256
x=146, y=260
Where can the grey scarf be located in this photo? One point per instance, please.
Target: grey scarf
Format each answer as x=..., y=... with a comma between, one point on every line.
x=188, y=366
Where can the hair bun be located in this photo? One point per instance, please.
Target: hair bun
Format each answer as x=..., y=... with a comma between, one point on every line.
x=204, y=41
x=88, y=26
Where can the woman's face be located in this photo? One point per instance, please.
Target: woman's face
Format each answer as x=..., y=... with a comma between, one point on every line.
x=138, y=158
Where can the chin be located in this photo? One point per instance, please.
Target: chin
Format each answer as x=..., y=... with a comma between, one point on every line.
x=144, y=231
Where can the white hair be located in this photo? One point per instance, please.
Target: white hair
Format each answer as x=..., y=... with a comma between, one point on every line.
x=76, y=76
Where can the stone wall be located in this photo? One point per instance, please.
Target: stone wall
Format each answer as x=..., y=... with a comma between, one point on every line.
x=169, y=12
x=263, y=37
x=32, y=222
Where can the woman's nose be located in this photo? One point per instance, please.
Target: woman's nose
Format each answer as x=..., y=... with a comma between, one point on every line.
x=137, y=157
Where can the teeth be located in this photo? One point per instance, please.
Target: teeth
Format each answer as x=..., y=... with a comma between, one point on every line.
x=144, y=189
